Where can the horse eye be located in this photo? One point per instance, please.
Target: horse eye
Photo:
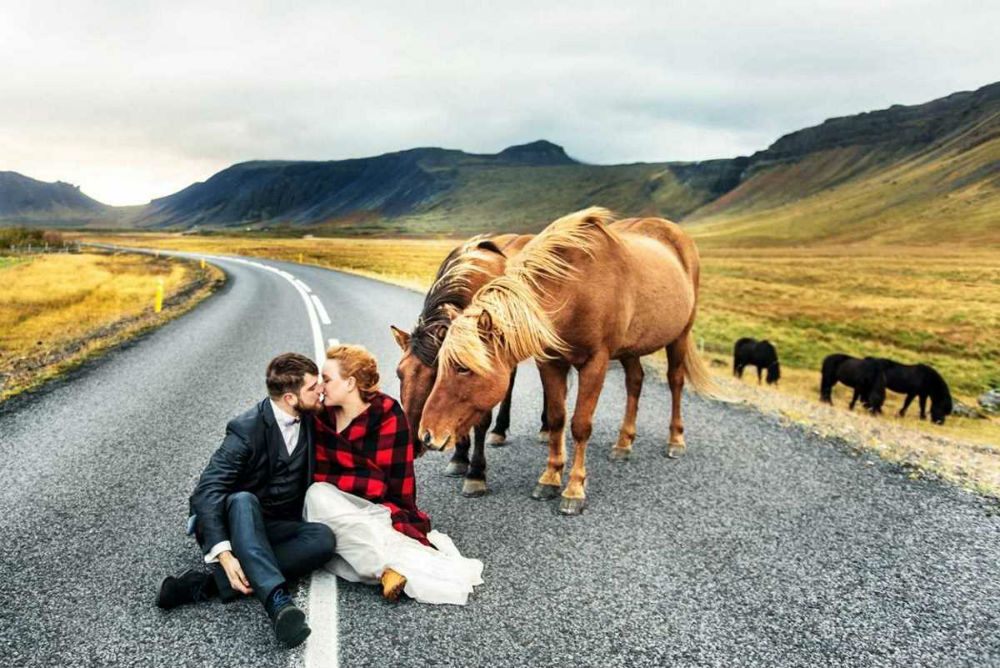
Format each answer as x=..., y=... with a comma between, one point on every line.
x=461, y=369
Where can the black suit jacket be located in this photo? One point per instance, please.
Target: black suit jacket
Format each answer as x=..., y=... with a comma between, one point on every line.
x=243, y=463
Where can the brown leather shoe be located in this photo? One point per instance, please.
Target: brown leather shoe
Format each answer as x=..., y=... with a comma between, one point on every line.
x=392, y=584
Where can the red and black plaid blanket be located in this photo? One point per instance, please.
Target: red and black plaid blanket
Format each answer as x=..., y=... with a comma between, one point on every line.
x=373, y=458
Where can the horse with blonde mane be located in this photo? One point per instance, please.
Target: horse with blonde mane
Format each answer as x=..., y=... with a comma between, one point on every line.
x=466, y=269
x=583, y=292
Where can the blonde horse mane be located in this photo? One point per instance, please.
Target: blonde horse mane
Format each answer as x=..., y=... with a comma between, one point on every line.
x=459, y=270
x=506, y=315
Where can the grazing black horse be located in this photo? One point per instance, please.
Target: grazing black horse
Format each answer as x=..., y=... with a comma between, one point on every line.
x=918, y=380
x=864, y=375
x=761, y=354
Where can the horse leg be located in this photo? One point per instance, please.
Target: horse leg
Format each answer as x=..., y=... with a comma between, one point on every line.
x=459, y=464
x=543, y=431
x=854, y=399
x=906, y=404
x=475, y=479
x=591, y=380
x=633, y=386
x=758, y=375
x=498, y=435
x=826, y=389
x=676, y=352
x=553, y=375
x=923, y=406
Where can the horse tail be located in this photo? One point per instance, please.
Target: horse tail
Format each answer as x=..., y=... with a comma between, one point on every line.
x=697, y=372
x=737, y=357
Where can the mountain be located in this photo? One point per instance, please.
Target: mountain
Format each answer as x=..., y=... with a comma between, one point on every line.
x=916, y=174
x=24, y=200
x=435, y=190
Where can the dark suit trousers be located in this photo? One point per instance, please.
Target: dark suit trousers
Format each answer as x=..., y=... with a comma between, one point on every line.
x=271, y=551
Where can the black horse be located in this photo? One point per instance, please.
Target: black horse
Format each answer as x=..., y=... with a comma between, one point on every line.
x=918, y=380
x=864, y=375
x=760, y=354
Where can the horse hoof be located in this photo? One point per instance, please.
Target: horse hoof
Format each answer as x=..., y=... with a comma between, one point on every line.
x=674, y=451
x=496, y=440
x=545, y=492
x=620, y=455
x=456, y=469
x=543, y=436
x=572, y=506
x=472, y=488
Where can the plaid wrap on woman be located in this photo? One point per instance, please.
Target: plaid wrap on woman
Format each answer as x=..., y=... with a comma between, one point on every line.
x=373, y=458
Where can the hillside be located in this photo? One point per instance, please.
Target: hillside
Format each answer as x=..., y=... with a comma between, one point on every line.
x=434, y=190
x=24, y=200
x=917, y=174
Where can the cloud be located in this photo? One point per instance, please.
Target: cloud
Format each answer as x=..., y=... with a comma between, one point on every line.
x=134, y=101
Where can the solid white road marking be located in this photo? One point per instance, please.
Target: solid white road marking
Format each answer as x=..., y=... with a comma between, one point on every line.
x=322, y=646
x=322, y=311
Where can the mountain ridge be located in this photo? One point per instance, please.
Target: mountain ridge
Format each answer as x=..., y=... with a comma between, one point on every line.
x=947, y=147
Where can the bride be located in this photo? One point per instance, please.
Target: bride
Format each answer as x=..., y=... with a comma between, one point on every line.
x=365, y=491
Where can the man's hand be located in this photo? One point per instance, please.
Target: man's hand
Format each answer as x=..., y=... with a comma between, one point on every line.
x=237, y=580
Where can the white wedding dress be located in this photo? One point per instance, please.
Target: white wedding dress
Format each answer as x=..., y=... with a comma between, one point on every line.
x=367, y=545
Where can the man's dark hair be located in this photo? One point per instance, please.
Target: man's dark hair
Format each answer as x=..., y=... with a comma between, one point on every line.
x=286, y=373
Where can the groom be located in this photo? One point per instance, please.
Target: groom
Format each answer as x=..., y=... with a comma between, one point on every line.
x=246, y=511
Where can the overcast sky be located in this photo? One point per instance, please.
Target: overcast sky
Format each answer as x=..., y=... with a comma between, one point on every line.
x=136, y=100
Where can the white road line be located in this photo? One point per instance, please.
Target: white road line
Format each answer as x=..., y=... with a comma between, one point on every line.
x=322, y=646
x=322, y=649
x=322, y=311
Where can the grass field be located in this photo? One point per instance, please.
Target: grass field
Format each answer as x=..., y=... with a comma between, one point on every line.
x=60, y=309
x=911, y=304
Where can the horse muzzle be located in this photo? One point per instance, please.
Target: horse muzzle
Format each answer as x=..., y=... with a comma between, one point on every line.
x=430, y=444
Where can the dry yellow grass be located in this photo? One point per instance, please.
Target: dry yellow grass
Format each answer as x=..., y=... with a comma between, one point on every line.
x=408, y=262
x=60, y=309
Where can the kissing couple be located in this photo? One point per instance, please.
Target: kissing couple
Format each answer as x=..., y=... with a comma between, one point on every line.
x=318, y=474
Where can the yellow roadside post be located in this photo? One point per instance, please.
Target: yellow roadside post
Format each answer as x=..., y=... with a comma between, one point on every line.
x=202, y=263
x=300, y=258
x=158, y=301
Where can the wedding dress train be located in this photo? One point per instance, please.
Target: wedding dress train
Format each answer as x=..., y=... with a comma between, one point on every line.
x=367, y=544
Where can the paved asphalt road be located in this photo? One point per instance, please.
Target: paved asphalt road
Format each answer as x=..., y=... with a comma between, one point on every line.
x=764, y=545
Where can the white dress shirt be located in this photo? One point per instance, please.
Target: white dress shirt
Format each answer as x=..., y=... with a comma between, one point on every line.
x=289, y=427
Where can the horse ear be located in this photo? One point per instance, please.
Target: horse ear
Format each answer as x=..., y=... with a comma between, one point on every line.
x=485, y=321
x=402, y=338
x=451, y=311
x=491, y=246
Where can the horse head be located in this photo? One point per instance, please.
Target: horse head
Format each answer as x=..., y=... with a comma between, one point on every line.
x=472, y=377
x=941, y=405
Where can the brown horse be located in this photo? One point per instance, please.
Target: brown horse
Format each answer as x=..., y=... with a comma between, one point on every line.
x=583, y=292
x=466, y=269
